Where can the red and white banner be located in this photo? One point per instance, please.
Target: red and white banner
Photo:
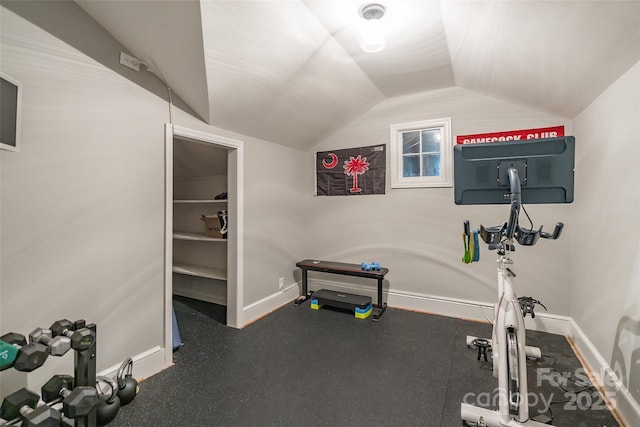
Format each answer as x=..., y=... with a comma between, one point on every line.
x=511, y=135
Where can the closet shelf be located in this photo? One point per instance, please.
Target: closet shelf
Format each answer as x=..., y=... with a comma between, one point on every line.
x=200, y=271
x=196, y=201
x=181, y=235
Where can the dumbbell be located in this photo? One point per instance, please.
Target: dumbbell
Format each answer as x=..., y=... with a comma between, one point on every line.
x=58, y=346
x=23, y=357
x=21, y=405
x=8, y=354
x=81, y=338
x=9, y=345
x=76, y=402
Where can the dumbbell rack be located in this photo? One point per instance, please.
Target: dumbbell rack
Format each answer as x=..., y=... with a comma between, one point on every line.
x=85, y=371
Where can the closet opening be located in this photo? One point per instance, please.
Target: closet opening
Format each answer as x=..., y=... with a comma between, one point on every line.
x=203, y=226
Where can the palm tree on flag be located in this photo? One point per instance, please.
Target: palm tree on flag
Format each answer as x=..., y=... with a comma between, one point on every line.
x=354, y=167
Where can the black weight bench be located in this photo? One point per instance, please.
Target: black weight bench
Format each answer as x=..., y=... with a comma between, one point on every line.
x=343, y=269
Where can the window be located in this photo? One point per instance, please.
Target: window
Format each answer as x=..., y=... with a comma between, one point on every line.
x=421, y=154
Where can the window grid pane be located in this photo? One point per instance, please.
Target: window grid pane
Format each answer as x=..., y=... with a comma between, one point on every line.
x=430, y=140
x=411, y=165
x=430, y=164
x=429, y=159
x=420, y=154
x=411, y=142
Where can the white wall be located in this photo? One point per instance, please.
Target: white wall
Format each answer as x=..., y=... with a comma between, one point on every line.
x=416, y=233
x=276, y=215
x=606, y=241
x=276, y=183
x=82, y=204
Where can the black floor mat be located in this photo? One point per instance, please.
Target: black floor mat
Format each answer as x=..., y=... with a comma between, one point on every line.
x=299, y=366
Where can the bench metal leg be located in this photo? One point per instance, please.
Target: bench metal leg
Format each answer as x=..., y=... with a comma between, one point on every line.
x=306, y=294
x=379, y=311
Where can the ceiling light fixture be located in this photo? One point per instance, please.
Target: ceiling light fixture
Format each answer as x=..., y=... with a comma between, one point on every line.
x=372, y=34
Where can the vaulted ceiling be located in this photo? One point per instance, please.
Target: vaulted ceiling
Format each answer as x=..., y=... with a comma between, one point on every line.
x=292, y=72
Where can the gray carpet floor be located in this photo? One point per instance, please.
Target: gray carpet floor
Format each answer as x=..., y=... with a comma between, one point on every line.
x=303, y=367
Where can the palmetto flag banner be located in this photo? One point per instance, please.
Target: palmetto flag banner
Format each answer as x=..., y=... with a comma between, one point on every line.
x=351, y=171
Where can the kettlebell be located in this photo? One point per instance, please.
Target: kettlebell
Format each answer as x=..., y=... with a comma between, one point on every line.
x=127, y=386
x=107, y=407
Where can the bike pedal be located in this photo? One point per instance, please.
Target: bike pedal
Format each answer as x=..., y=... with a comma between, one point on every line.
x=484, y=347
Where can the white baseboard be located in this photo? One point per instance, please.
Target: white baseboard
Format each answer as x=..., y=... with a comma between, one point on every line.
x=464, y=309
x=145, y=364
x=551, y=323
x=266, y=305
x=450, y=307
x=616, y=394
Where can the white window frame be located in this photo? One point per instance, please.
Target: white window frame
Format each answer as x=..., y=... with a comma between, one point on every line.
x=446, y=164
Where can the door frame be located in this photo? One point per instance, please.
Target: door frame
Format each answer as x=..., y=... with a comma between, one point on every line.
x=235, y=191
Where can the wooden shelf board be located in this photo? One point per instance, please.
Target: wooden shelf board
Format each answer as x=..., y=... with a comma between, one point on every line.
x=200, y=296
x=195, y=201
x=200, y=271
x=181, y=235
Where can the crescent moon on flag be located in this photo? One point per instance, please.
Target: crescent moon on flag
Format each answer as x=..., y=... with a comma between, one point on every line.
x=332, y=164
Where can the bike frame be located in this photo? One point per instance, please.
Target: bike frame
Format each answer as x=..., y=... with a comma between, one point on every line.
x=508, y=338
x=507, y=317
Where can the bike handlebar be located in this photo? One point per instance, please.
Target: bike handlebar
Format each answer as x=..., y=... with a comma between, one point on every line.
x=556, y=232
x=511, y=229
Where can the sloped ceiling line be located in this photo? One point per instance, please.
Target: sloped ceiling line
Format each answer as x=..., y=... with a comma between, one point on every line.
x=292, y=72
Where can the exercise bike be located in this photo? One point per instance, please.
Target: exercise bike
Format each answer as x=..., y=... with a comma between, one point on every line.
x=508, y=342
